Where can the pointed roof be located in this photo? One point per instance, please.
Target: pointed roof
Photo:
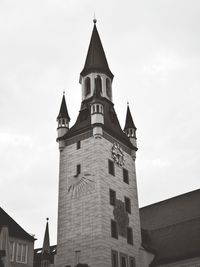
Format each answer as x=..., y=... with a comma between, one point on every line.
x=129, y=120
x=63, y=113
x=96, y=59
x=46, y=243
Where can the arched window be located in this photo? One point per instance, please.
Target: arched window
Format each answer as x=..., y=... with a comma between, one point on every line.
x=97, y=108
x=87, y=86
x=108, y=88
x=98, y=85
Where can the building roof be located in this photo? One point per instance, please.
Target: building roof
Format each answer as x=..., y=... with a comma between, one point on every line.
x=63, y=113
x=129, y=120
x=38, y=256
x=172, y=228
x=111, y=123
x=171, y=211
x=96, y=59
x=14, y=229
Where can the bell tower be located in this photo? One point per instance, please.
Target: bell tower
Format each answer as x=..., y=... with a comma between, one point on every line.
x=98, y=215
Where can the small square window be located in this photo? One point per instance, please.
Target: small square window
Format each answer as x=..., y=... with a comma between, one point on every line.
x=125, y=176
x=114, y=258
x=114, y=232
x=129, y=235
x=127, y=204
x=132, y=262
x=78, y=145
x=112, y=197
x=111, y=167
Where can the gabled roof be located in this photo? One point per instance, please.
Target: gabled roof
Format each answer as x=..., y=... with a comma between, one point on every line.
x=14, y=229
x=172, y=228
x=96, y=59
x=63, y=113
x=129, y=124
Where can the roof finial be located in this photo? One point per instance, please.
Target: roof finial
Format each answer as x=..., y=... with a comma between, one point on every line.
x=94, y=20
x=127, y=103
x=47, y=219
x=64, y=92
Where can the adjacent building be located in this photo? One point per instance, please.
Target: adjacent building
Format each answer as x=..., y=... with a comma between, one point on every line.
x=16, y=245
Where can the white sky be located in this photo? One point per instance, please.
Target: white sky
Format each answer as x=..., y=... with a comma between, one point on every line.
x=153, y=49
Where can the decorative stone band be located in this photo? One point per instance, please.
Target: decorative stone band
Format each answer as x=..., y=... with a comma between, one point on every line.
x=121, y=217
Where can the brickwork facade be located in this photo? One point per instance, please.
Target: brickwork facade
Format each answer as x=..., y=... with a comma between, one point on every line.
x=84, y=217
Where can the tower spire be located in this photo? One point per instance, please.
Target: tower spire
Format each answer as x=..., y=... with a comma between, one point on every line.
x=46, y=242
x=45, y=260
x=96, y=59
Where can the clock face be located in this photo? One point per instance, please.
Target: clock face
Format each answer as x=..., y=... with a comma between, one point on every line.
x=118, y=154
x=80, y=185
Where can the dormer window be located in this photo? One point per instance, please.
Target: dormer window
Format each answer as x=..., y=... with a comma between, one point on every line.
x=108, y=88
x=87, y=86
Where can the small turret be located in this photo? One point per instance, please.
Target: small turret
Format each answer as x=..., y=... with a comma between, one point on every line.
x=130, y=129
x=63, y=119
x=97, y=109
x=45, y=260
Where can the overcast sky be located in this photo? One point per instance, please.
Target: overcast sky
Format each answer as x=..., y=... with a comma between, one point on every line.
x=153, y=49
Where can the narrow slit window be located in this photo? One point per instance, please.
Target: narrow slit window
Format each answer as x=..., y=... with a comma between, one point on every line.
x=114, y=232
x=125, y=176
x=111, y=168
x=112, y=197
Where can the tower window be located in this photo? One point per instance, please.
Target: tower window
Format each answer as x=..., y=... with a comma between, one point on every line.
x=127, y=204
x=112, y=197
x=114, y=232
x=108, y=88
x=98, y=84
x=78, y=169
x=78, y=145
x=132, y=262
x=111, y=168
x=129, y=235
x=123, y=260
x=125, y=176
x=87, y=86
x=97, y=108
x=114, y=258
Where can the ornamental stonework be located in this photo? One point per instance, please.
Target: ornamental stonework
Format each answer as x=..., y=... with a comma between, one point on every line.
x=121, y=217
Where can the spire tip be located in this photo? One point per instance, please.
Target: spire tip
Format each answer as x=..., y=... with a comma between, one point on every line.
x=47, y=219
x=94, y=20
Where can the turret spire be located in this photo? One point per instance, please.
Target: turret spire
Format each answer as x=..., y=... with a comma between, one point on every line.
x=46, y=242
x=96, y=59
x=129, y=124
x=63, y=119
x=63, y=113
x=45, y=257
